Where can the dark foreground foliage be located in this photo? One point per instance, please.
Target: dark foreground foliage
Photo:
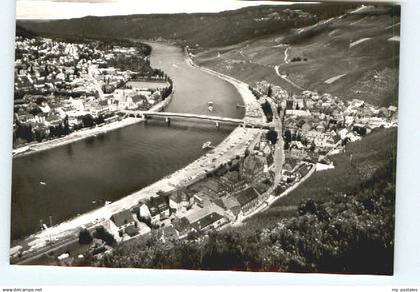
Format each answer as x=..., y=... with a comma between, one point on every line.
x=352, y=233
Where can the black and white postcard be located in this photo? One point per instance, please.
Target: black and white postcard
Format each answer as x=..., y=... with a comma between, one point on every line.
x=228, y=135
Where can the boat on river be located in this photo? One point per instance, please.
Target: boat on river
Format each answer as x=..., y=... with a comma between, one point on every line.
x=210, y=106
x=206, y=145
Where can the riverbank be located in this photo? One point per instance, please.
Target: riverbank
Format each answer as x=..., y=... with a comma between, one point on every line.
x=86, y=133
x=248, y=98
x=77, y=136
x=227, y=150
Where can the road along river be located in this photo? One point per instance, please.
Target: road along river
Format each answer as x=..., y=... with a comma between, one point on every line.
x=75, y=178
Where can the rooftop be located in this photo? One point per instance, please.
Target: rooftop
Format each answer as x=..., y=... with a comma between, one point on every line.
x=206, y=221
x=246, y=196
x=122, y=218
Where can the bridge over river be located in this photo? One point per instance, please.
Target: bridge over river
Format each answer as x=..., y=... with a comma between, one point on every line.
x=81, y=176
x=217, y=120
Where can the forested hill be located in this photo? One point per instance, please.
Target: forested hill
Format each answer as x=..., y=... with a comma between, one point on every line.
x=23, y=32
x=205, y=29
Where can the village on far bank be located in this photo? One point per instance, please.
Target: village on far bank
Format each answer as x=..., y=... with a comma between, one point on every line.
x=314, y=126
x=62, y=87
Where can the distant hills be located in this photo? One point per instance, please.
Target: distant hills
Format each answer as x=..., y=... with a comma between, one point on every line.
x=351, y=55
x=205, y=29
x=23, y=32
x=339, y=48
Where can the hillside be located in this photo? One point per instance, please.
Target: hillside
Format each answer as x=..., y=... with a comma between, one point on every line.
x=354, y=55
x=204, y=29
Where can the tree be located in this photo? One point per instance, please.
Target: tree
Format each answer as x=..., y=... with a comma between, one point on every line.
x=99, y=120
x=87, y=121
x=267, y=110
x=287, y=136
x=224, y=251
x=192, y=235
x=308, y=207
x=269, y=91
x=188, y=256
x=101, y=233
x=66, y=125
x=272, y=136
x=25, y=132
x=39, y=134
x=46, y=71
x=312, y=147
x=85, y=237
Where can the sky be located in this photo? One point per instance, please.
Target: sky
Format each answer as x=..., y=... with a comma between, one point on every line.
x=59, y=9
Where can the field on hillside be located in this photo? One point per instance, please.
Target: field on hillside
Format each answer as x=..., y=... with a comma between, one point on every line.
x=351, y=56
x=201, y=29
x=368, y=155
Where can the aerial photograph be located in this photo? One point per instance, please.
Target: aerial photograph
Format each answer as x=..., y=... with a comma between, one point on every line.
x=234, y=135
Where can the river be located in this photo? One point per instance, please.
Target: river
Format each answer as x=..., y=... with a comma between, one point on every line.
x=83, y=175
